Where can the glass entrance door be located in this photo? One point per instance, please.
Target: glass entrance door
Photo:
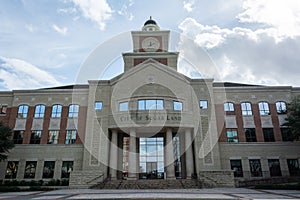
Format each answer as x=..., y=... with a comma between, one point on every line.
x=152, y=158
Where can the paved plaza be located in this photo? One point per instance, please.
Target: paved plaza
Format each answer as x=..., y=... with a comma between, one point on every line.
x=216, y=193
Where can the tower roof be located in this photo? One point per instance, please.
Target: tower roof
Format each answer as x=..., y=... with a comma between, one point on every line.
x=150, y=21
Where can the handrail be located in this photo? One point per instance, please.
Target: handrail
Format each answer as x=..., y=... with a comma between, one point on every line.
x=95, y=178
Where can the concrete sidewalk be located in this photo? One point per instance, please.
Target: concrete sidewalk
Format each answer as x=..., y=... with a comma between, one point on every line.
x=216, y=193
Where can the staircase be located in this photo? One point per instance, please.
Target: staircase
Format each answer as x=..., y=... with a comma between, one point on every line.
x=150, y=184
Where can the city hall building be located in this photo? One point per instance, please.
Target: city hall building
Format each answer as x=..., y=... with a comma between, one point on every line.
x=150, y=122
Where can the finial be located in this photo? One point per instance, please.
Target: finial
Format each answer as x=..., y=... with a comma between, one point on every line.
x=150, y=17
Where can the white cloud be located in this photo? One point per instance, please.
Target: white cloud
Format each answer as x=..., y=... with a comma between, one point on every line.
x=19, y=74
x=124, y=12
x=62, y=30
x=188, y=5
x=31, y=28
x=70, y=10
x=283, y=15
x=98, y=11
x=241, y=54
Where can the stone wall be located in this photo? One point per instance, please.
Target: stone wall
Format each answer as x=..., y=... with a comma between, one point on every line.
x=85, y=179
x=211, y=179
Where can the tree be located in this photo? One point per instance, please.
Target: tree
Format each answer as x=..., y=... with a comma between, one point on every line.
x=5, y=143
x=293, y=118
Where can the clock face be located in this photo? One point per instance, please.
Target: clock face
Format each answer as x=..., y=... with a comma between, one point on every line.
x=150, y=44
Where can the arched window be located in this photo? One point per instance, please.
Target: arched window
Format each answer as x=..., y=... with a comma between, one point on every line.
x=73, y=111
x=246, y=108
x=39, y=111
x=281, y=107
x=263, y=108
x=228, y=107
x=23, y=111
x=56, y=111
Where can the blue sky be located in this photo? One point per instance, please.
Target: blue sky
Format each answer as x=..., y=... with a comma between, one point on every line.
x=44, y=43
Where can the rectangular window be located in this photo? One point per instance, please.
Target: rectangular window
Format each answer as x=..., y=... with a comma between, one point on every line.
x=285, y=134
x=18, y=137
x=203, y=104
x=23, y=111
x=293, y=165
x=39, y=111
x=246, y=108
x=232, y=135
x=53, y=137
x=250, y=134
x=177, y=105
x=263, y=108
x=48, y=170
x=35, y=137
x=150, y=104
x=11, y=169
x=123, y=106
x=30, y=169
x=236, y=166
x=255, y=168
x=274, y=167
x=3, y=109
x=73, y=111
x=71, y=136
x=268, y=135
x=98, y=105
x=56, y=111
x=67, y=167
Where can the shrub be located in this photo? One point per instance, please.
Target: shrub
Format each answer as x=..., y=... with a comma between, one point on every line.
x=9, y=189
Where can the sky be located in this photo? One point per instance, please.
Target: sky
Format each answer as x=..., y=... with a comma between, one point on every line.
x=46, y=43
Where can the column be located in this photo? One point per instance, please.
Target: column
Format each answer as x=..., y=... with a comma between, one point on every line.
x=132, y=160
x=169, y=155
x=189, y=160
x=113, y=163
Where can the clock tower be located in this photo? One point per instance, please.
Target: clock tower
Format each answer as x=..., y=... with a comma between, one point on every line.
x=150, y=42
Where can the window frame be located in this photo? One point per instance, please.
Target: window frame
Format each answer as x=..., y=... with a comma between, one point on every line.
x=176, y=104
x=273, y=172
x=3, y=109
x=203, y=104
x=279, y=107
x=73, y=111
x=51, y=170
x=234, y=138
x=18, y=140
x=256, y=172
x=123, y=103
x=238, y=169
x=32, y=170
x=268, y=136
x=55, y=139
x=147, y=106
x=23, y=111
x=14, y=173
x=70, y=137
x=264, y=108
x=248, y=108
x=98, y=103
x=56, y=111
x=252, y=137
x=39, y=111
x=228, y=107
x=36, y=140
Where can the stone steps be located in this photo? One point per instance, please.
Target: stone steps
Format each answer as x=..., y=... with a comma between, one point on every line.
x=150, y=184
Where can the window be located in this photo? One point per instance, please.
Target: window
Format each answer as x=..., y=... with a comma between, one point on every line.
x=293, y=165
x=150, y=104
x=228, y=107
x=255, y=168
x=23, y=111
x=11, y=169
x=231, y=135
x=39, y=111
x=53, y=137
x=281, y=107
x=73, y=111
x=67, y=167
x=246, y=108
x=123, y=106
x=98, y=105
x=35, y=137
x=56, y=111
x=263, y=108
x=30, y=169
x=3, y=109
x=71, y=136
x=48, y=170
x=286, y=135
x=177, y=105
x=250, y=134
x=268, y=135
x=18, y=137
x=236, y=166
x=203, y=104
x=274, y=167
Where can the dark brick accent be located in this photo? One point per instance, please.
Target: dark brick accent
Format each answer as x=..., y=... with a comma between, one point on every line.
x=137, y=61
x=63, y=125
x=221, y=126
x=275, y=122
x=47, y=116
x=27, y=134
x=240, y=123
x=257, y=122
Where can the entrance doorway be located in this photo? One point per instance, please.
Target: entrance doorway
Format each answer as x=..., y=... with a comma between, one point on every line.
x=152, y=158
